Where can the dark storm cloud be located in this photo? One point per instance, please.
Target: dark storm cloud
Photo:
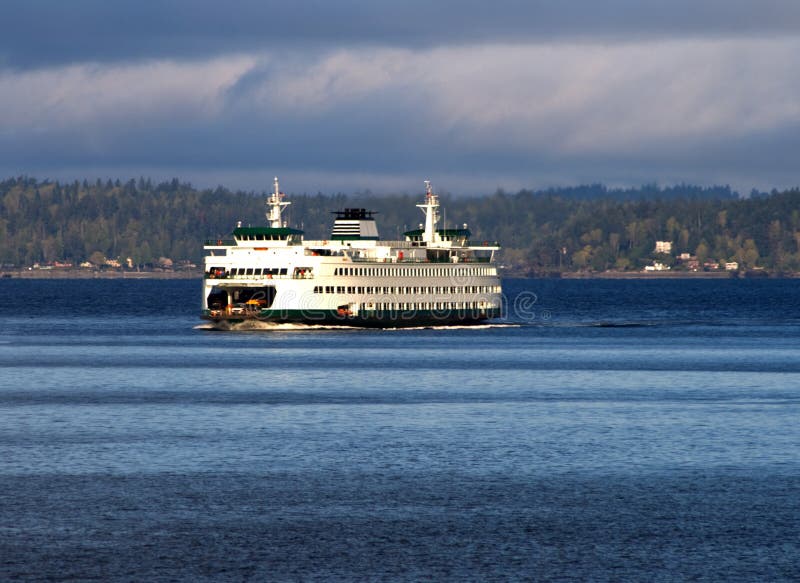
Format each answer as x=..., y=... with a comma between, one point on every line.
x=51, y=32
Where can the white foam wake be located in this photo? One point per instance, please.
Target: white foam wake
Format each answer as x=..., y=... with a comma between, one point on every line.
x=455, y=327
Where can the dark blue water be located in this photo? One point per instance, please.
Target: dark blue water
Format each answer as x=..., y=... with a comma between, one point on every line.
x=607, y=431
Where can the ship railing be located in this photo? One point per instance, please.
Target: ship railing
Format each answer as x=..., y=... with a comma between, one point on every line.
x=447, y=245
x=238, y=277
x=418, y=260
x=394, y=244
x=400, y=244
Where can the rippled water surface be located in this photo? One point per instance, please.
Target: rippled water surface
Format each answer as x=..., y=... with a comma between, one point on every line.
x=604, y=430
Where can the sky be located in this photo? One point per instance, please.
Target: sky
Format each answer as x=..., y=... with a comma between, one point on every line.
x=357, y=95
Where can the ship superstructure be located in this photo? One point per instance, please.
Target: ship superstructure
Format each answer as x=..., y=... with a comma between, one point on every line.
x=432, y=277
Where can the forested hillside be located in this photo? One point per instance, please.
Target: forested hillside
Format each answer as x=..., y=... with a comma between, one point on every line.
x=581, y=228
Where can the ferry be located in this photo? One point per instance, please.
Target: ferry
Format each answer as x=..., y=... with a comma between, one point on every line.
x=434, y=277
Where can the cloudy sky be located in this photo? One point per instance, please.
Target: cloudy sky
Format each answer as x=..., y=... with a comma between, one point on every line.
x=369, y=94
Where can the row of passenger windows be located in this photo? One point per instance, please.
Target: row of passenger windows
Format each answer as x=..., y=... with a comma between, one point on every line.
x=256, y=271
x=395, y=306
x=415, y=271
x=443, y=289
x=261, y=237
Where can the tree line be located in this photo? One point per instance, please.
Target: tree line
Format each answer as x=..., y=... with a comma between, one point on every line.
x=579, y=228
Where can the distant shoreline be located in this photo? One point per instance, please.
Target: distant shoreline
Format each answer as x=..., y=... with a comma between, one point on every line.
x=91, y=274
x=652, y=275
x=667, y=274
x=197, y=274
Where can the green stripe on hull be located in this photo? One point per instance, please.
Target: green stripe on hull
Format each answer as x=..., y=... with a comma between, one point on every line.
x=370, y=318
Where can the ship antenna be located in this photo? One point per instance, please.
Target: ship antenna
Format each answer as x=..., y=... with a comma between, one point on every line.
x=276, y=206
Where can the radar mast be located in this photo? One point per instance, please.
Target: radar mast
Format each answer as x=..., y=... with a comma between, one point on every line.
x=431, y=209
x=276, y=206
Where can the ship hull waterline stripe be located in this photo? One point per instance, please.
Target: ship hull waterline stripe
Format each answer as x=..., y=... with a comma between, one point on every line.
x=367, y=318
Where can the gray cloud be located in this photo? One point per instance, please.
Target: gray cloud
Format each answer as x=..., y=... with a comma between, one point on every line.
x=42, y=33
x=472, y=117
x=363, y=94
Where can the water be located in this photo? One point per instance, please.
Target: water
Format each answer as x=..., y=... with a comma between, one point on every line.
x=607, y=430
